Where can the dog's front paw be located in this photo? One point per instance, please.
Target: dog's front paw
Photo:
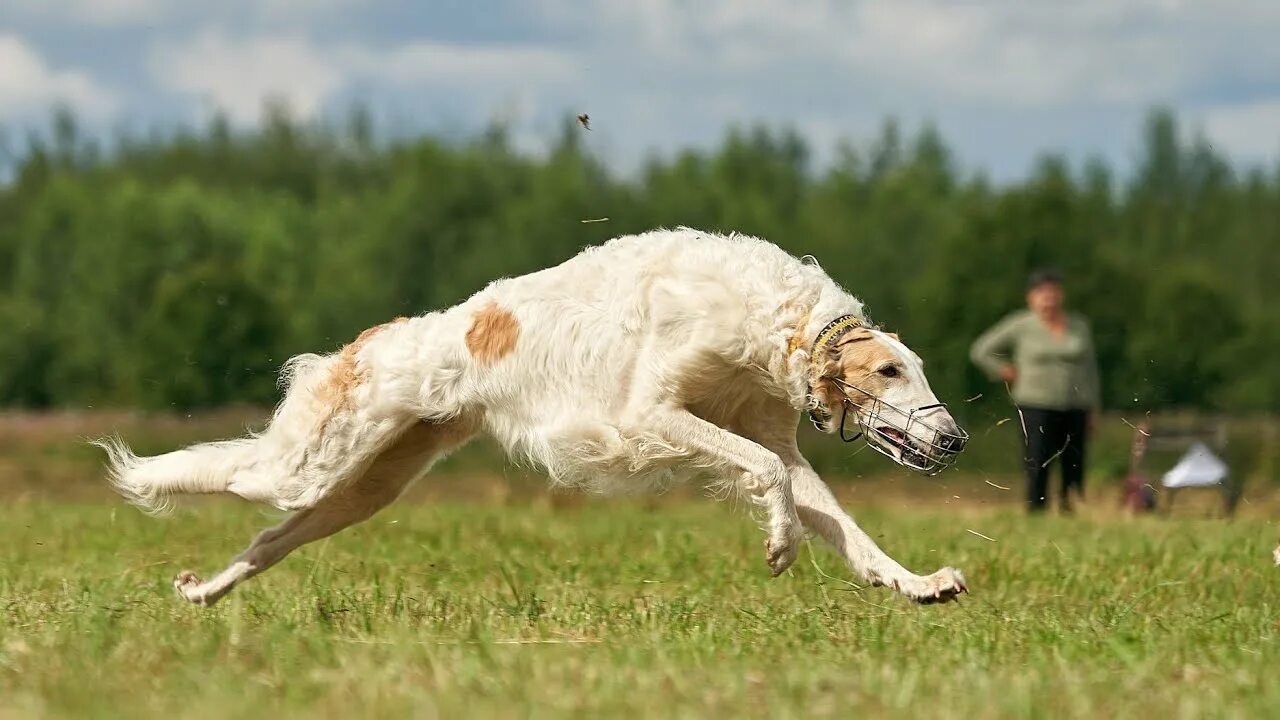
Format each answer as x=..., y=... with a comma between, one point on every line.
x=780, y=553
x=940, y=587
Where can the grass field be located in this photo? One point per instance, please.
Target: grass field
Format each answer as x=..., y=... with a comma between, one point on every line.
x=483, y=596
x=631, y=609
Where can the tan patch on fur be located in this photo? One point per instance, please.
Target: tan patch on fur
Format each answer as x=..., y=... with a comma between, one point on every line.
x=347, y=372
x=493, y=334
x=855, y=359
x=797, y=335
x=429, y=438
x=422, y=444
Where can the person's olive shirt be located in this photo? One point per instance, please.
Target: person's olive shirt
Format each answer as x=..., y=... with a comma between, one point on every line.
x=1055, y=372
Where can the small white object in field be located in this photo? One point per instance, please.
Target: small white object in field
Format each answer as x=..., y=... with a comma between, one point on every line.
x=1275, y=555
x=1198, y=468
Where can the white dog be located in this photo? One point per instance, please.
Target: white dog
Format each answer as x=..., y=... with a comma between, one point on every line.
x=655, y=354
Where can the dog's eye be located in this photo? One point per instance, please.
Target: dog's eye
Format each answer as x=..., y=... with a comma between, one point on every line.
x=889, y=371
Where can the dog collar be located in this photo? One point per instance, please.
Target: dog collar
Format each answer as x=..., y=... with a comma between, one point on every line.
x=829, y=334
x=834, y=331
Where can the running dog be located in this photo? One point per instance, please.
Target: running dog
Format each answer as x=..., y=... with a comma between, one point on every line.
x=653, y=356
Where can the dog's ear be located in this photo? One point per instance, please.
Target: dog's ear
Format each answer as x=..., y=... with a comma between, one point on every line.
x=855, y=335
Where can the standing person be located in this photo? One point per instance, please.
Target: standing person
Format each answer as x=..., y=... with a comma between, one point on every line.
x=1046, y=355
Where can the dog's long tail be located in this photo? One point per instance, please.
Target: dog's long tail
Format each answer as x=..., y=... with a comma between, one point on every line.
x=249, y=467
x=152, y=482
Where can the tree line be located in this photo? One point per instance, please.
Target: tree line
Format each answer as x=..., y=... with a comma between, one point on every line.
x=180, y=269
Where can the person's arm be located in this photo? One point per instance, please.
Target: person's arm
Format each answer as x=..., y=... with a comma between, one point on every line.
x=991, y=351
x=1092, y=385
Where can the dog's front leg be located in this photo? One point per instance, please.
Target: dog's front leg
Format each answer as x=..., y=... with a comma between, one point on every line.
x=763, y=474
x=820, y=512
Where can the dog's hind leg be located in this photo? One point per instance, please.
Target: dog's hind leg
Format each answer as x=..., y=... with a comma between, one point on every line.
x=338, y=412
x=386, y=477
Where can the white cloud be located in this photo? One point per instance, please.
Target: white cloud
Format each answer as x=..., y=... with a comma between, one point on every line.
x=1023, y=54
x=1028, y=57
x=1002, y=79
x=299, y=11
x=28, y=83
x=105, y=13
x=1250, y=130
x=133, y=13
x=238, y=76
x=434, y=63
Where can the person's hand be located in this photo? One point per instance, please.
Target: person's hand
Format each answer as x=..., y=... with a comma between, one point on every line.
x=1009, y=373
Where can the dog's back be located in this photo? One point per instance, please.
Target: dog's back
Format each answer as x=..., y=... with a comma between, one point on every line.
x=586, y=326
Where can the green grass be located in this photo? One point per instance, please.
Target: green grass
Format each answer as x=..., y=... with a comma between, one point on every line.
x=612, y=609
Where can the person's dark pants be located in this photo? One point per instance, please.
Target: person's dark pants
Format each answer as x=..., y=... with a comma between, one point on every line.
x=1053, y=436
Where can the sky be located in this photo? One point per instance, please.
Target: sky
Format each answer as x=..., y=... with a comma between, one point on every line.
x=1003, y=80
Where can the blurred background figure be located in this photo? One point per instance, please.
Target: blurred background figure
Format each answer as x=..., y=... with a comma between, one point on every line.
x=1139, y=495
x=1046, y=357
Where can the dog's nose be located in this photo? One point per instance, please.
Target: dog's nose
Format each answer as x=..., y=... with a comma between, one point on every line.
x=952, y=443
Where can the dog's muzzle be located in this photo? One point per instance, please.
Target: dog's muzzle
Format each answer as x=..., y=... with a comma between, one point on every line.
x=901, y=435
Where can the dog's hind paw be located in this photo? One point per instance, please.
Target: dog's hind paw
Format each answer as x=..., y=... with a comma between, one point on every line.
x=187, y=584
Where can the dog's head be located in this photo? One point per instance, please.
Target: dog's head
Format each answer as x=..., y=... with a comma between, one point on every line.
x=881, y=384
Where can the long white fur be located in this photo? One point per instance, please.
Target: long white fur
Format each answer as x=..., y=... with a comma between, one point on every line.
x=653, y=355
